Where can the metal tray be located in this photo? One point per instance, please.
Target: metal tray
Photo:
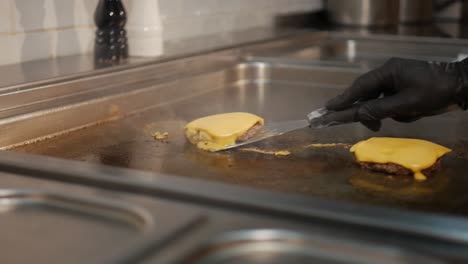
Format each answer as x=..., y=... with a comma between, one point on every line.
x=209, y=211
x=283, y=246
x=267, y=90
x=55, y=226
x=46, y=222
x=365, y=52
x=164, y=97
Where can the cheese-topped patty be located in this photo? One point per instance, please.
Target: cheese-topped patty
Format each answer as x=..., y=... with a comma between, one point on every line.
x=217, y=132
x=415, y=155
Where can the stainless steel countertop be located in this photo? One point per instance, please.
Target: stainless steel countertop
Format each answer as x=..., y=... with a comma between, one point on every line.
x=34, y=73
x=277, y=93
x=37, y=72
x=165, y=96
x=184, y=217
x=230, y=76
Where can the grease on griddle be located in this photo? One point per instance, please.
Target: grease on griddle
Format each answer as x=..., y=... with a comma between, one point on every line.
x=328, y=145
x=399, y=188
x=268, y=152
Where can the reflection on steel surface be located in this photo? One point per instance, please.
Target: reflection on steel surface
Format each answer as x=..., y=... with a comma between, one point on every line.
x=284, y=86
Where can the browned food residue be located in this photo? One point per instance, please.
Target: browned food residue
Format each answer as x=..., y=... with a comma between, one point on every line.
x=114, y=110
x=160, y=135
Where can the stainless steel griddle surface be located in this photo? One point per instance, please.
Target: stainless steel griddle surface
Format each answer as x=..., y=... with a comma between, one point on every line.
x=325, y=172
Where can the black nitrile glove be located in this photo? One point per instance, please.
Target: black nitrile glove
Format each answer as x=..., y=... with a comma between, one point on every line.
x=402, y=89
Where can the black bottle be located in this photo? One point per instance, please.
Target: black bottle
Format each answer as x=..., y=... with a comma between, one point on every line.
x=111, y=38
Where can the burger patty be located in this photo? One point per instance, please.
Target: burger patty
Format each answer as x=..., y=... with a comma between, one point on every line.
x=249, y=133
x=196, y=136
x=392, y=168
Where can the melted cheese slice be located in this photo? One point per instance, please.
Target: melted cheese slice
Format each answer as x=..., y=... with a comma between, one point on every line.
x=413, y=154
x=220, y=131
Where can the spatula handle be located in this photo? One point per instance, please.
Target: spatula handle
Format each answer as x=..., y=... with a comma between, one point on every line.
x=316, y=119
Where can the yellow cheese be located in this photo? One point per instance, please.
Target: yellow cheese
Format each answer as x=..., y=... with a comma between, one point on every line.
x=413, y=154
x=217, y=132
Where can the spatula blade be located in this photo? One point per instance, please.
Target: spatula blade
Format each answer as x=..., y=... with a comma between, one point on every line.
x=275, y=129
x=272, y=130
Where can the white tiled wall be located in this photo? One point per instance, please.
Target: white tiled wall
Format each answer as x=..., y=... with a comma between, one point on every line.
x=36, y=29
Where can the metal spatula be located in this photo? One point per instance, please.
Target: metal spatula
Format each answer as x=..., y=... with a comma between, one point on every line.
x=280, y=128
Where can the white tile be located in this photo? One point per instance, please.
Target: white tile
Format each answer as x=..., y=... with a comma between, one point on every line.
x=243, y=21
x=181, y=28
x=72, y=41
x=283, y=6
x=54, y=17
x=5, y=16
x=306, y=5
x=199, y=7
x=269, y=6
x=211, y=25
x=216, y=7
x=33, y=15
x=312, y=4
x=84, y=12
x=37, y=15
x=170, y=8
x=226, y=23
x=35, y=45
x=191, y=27
x=251, y=6
x=279, y=6
x=29, y=15
x=11, y=47
x=86, y=39
x=170, y=29
x=256, y=5
x=264, y=19
x=229, y=6
x=299, y=6
x=63, y=15
x=235, y=6
x=126, y=3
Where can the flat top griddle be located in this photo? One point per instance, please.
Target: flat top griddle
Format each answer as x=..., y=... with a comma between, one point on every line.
x=325, y=172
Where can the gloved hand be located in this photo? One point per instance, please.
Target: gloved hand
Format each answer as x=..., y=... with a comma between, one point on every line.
x=402, y=89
